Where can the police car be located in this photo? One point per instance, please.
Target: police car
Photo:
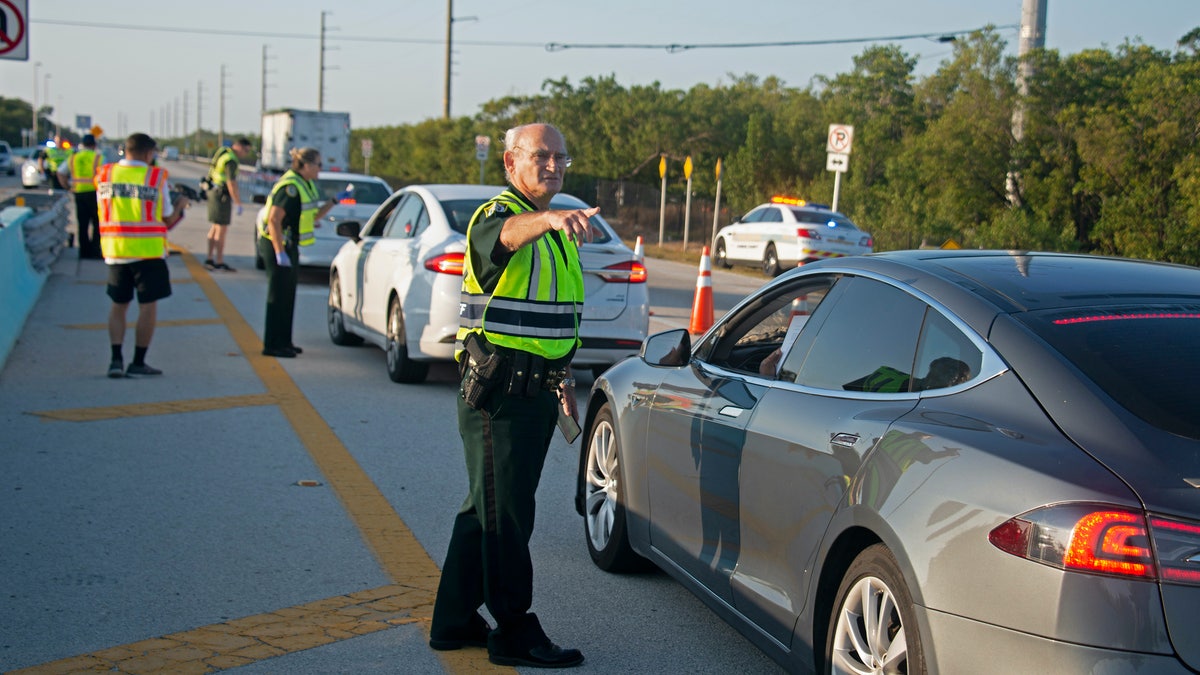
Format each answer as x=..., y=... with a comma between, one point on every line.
x=787, y=232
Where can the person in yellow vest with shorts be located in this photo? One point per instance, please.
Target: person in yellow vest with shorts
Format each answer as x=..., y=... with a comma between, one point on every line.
x=522, y=301
x=135, y=213
x=292, y=209
x=78, y=174
x=223, y=199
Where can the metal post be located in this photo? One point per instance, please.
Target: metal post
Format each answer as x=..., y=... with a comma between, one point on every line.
x=716, y=208
x=662, y=204
x=837, y=185
x=34, y=139
x=449, y=39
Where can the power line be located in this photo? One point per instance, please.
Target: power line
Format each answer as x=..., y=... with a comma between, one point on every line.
x=675, y=47
x=670, y=48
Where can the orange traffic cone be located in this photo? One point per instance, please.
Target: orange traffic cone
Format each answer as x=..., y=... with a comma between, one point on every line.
x=639, y=251
x=702, y=306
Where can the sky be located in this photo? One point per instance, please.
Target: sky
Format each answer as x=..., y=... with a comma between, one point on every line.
x=154, y=66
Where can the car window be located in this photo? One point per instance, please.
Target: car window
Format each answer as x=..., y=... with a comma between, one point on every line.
x=747, y=339
x=868, y=342
x=364, y=191
x=756, y=215
x=408, y=218
x=822, y=218
x=1143, y=356
x=379, y=220
x=772, y=215
x=945, y=357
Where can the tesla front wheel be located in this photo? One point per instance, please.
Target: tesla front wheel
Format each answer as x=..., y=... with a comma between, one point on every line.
x=604, y=508
x=873, y=629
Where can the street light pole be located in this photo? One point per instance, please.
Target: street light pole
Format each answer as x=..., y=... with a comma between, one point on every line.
x=34, y=139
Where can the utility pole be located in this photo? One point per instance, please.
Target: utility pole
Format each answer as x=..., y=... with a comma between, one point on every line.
x=221, y=118
x=449, y=42
x=199, y=108
x=1033, y=36
x=262, y=107
x=184, y=128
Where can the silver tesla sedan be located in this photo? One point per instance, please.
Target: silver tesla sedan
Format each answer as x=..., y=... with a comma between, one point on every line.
x=922, y=461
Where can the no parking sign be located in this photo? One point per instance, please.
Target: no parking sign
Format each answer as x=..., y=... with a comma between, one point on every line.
x=14, y=30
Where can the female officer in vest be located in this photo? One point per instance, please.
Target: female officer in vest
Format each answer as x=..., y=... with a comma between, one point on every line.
x=292, y=210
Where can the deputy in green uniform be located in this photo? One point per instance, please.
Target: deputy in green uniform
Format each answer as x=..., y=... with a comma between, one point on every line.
x=520, y=311
x=292, y=209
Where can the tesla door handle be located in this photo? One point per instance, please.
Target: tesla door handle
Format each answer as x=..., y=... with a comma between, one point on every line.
x=844, y=440
x=732, y=411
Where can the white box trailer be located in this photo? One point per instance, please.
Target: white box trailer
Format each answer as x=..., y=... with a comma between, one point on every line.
x=282, y=130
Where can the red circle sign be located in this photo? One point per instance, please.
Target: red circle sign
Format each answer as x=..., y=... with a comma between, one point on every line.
x=7, y=45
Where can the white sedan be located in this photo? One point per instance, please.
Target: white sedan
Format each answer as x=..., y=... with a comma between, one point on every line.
x=788, y=232
x=397, y=283
x=357, y=198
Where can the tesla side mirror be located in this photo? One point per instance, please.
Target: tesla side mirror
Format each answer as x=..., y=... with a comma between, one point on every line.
x=670, y=348
x=349, y=228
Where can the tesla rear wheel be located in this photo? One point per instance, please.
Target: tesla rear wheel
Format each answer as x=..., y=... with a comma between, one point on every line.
x=604, y=504
x=399, y=367
x=873, y=628
x=334, y=318
x=770, y=262
x=722, y=257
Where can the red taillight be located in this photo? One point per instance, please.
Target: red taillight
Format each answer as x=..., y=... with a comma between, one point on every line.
x=446, y=263
x=1104, y=540
x=867, y=241
x=349, y=201
x=808, y=233
x=630, y=271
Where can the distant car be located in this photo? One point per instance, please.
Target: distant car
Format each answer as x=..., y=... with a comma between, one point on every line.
x=974, y=462
x=787, y=232
x=32, y=175
x=171, y=152
x=398, y=283
x=359, y=194
x=6, y=159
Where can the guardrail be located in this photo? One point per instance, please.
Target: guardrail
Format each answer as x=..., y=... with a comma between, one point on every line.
x=33, y=232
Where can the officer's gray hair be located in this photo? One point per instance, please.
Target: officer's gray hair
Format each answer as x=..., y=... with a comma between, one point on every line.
x=302, y=156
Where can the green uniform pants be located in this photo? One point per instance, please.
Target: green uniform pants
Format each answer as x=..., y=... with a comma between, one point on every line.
x=488, y=560
x=281, y=295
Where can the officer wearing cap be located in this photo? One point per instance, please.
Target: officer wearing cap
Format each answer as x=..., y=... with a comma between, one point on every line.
x=522, y=298
x=78, y=174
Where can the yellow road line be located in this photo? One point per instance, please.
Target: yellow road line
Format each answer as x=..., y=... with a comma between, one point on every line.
x=235, y=643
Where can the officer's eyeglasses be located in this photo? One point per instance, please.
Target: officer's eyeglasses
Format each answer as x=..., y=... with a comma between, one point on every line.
x=542, y=158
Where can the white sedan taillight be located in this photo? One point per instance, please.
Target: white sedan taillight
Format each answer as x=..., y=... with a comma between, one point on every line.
x=446, y=263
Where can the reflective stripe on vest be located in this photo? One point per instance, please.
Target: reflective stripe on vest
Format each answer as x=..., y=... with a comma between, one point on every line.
x=83, y=171
x=309, y=204
x=131, y=223
x=538, y=301
x=217, y=173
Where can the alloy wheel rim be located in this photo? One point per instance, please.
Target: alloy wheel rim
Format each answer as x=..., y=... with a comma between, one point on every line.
x=869, y=638
x=601, y=488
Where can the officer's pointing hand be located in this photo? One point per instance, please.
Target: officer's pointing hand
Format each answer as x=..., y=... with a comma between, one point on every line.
x=574, y=223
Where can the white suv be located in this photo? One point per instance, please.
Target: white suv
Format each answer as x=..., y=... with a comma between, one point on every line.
x=788, y=232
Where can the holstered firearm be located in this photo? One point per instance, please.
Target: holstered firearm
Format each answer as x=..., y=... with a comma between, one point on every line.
x=485, y=370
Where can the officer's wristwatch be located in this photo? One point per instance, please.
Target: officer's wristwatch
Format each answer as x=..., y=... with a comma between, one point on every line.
x=567, y=382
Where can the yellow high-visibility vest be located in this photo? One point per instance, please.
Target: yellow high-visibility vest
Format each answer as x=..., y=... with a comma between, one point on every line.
x=83, y=171
x=130, y=210
x=538, y=301
x=309, y=204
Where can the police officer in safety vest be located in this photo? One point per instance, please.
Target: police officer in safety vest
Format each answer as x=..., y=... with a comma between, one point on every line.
x=223, y=199
x=135, y=215
x=78, y=173
x=292, y=209
x=522, y=299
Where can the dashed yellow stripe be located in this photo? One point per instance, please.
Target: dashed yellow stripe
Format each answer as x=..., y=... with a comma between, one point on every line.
x=242, y=641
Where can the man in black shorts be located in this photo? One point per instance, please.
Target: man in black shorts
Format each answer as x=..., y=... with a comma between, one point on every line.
x=135, y=214
x=223, y=199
